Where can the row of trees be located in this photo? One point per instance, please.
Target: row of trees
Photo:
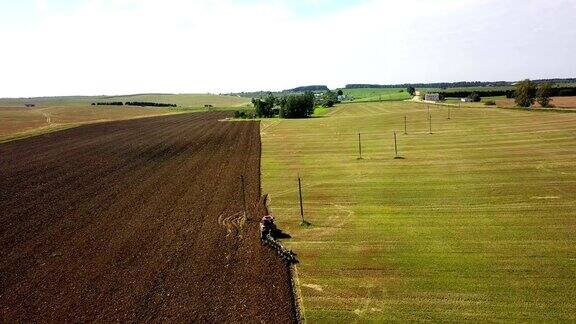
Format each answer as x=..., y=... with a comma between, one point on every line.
x=113, y=103
x=292, y=106
x=133, y=103
x=149, y=104
x=527, y=93
x=460, y=84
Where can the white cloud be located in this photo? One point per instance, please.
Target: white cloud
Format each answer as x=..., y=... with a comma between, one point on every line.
x=127, y=46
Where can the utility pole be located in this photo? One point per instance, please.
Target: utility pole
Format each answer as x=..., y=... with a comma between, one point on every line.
x=359, y=147
x=300, y=194
x=395, y=147
x=448, y=113
x=429, y=124
x=405, y=127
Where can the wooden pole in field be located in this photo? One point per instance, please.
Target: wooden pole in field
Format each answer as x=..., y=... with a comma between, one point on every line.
x=429, y=124
x=300, y=195
x=359, y=147
x=448, y=113
x=395, y=146
x=405, y=127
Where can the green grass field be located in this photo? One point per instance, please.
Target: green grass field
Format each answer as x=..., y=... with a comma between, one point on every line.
x=476, y=223
x=376, y=94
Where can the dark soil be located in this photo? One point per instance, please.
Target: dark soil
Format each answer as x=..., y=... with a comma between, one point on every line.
x=137, y=221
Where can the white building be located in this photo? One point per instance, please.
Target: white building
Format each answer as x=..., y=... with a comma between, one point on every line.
x=432, y=97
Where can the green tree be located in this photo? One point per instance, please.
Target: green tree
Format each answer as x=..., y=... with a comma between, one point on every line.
x=525, y=93
x=328, y=99
x=543, y=94
x=340, y=92
x=264, y=108
x=474, y=97
x=411, y=90
x=297, y=106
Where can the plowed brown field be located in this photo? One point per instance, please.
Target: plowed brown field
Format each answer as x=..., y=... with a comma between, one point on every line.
x=137, y=221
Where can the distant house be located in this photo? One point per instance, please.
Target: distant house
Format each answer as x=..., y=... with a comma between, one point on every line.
x=341, y=97
x=466, y=99
x=29, y=105
x=432, y=97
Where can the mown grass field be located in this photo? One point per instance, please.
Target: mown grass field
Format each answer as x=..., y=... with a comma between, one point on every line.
x=476, y=223
x=376, y=94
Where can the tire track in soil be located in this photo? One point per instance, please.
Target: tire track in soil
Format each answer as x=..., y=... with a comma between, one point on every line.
x=129, y=230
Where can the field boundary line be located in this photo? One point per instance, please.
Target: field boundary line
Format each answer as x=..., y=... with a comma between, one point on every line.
x=297, y=295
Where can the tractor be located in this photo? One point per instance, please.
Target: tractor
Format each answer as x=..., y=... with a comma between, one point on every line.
x=268, y=233
x=267, y=227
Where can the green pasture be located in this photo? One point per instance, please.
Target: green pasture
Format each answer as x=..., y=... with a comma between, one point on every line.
x=477, y=222
x=376, y=94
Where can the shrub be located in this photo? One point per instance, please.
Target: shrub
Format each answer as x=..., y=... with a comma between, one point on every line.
x=244, y=114
x=489, y=103
x=239, y=114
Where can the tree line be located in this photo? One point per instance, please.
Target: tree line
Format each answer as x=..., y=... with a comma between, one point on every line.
x=554, y=92
x=291, y=106
x=112, y=103
x=308, y=88
x=133, y=103
x=460, y=84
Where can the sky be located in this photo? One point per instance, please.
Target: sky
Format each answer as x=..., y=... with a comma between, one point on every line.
x=95, y=47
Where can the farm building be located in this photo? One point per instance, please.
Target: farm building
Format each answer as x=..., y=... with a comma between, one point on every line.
x=432, y=97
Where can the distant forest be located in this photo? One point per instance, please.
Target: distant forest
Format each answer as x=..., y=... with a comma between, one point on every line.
x=554, y=92
x=461, y=84
x=308, y=88
x=264, y=93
